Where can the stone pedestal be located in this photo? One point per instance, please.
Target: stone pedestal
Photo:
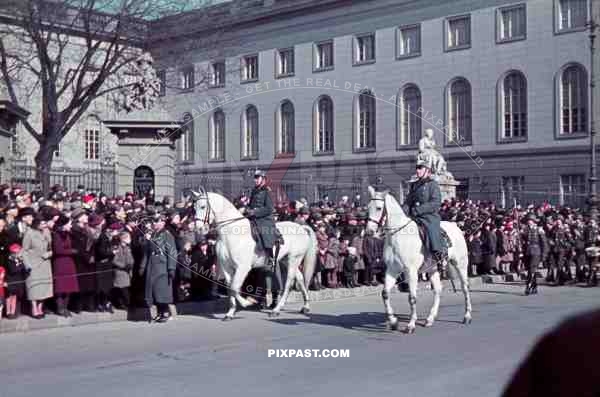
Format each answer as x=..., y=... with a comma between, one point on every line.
x=448, y=188
x=146, y=156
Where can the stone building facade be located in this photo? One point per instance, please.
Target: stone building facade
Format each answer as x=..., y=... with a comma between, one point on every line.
x=337, y=93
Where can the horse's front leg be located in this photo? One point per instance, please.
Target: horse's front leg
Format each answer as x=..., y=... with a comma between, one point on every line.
x=390, y=282
x=413, y=275
x=230, y=313
x=436, y=287
x=236, y=284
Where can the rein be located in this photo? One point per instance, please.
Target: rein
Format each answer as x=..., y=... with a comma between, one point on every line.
x=390, y=230
x=206, y=218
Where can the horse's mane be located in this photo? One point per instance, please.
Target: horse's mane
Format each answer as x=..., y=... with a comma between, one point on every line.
x=222, y=206
x=393, y=207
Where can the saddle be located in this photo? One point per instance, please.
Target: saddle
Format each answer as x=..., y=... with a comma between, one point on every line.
x=425, y=238
x=428, y=264
x=256, y=234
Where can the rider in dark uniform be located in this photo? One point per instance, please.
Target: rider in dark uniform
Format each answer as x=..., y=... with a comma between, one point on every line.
x=423, y=204
x=260, y=211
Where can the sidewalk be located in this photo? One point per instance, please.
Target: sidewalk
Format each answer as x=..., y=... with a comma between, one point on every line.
x=219, y=306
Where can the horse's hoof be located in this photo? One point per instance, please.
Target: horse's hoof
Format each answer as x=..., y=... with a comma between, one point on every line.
x=409, y=330
x=394, y=326
x=227, y=318
x=305, y=310
x=274, y=314
x=428, y=323
x=467, y=320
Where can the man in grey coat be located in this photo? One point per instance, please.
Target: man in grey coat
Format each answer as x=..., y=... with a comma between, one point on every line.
x=158, y=266
x=423, y=204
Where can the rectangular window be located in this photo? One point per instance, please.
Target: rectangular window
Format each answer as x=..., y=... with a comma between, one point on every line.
x=187, y=78
x=92, y=144
x=364, y=48
x=511, y=23
x=571, y=15
x=324, y=56
x=458, y=33
x=285, y=62
x=573, y=190
x=408, y=41
x=250, y=68
x=162, y=77
x=217, y=78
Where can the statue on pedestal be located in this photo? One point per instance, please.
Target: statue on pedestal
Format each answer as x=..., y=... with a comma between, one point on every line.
x=428, y=152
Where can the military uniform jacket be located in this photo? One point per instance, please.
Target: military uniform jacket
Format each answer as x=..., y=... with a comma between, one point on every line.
x=261, y=203
x=423, y=203
x=533, y=241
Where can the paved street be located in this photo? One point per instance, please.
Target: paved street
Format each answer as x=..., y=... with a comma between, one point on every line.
x=200, y=355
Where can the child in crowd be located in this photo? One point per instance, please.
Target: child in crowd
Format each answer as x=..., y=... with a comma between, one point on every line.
x=349, y=265
x=16, y=276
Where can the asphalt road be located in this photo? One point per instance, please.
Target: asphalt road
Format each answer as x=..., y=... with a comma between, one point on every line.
x=200, y=355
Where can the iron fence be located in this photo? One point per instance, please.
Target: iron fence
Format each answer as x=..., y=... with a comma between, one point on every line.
x=95, y=178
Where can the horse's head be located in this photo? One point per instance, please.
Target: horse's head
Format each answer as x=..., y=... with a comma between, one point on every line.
x=376, y=210
x=202, y=207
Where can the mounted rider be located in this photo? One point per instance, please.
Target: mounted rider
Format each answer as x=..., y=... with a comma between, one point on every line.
x=260, y=212
x=423, y=204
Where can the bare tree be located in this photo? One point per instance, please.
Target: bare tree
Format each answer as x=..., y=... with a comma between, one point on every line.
x=71, y=53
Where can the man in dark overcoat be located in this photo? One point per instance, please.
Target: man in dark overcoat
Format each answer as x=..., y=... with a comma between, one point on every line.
x=260, y=212
x=158, y=266
x=533, y=240
x=423, y=205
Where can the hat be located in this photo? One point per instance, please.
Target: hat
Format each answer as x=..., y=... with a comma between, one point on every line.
x=87, y=199
x=77, y=213
x=423, y=163
x=258, y=173
x=94, y=220
x=62, y=221
x=317, y=216
x=14, y=248
x=531, y=217
x=116, y=226
x=304, y=211
x=26, y=211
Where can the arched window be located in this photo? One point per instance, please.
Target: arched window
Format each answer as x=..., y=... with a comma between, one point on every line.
x=323, y=125
x=286, y=128
x=458, y=111
x=572, y=101
x=186, y=142
x=409, y=115
x=513, y=106
x=250, y=133
x=216, y=141
x=365, y=121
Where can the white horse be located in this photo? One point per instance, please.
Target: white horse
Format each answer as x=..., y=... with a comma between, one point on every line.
x=404, y=251
x=237, y=254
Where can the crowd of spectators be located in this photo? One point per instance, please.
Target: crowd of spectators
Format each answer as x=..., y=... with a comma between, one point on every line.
x=77, y=251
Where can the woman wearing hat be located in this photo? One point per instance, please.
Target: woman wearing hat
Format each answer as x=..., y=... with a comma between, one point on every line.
x=64, y=270
x=37, y=253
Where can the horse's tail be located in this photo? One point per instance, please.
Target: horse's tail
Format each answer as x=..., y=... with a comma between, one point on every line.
x=310, y=257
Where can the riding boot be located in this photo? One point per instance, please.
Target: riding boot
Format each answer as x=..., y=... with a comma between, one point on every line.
x=529, y=283
x=534, y=286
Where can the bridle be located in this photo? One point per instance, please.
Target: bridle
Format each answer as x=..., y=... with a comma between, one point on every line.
x=206, y=218
x=390, y=230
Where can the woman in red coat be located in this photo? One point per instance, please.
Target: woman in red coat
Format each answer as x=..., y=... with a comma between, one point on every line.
x=65, y=273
